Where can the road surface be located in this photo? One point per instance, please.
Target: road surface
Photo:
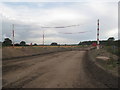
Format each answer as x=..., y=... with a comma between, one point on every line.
x=55, y=70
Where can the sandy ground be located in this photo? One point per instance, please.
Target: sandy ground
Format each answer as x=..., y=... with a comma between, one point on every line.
x=55, y=70
x=10, y=52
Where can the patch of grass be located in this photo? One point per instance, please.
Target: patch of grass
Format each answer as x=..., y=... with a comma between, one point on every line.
x=111, y=64
x=113, y=49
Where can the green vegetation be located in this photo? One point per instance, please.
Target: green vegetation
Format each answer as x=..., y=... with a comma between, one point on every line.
x=112, y=49
x=7, y=42
x=112, y=64
x=111, y=45
x=54, y=44
x=22, y=43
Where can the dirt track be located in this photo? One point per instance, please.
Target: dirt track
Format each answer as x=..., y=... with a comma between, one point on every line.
x=56, y=70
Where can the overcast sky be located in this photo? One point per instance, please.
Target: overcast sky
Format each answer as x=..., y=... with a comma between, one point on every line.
x=29, y=17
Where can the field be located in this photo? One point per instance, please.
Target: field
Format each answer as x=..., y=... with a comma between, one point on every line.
x=19, y=51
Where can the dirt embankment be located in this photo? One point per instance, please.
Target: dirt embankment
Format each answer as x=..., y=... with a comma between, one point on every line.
x=98, y=72
x=13, y=53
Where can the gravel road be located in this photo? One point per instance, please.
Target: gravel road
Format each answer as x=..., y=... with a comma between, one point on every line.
x=55, y=70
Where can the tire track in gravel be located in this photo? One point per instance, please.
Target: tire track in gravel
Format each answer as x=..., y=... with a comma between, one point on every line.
x=36, y=62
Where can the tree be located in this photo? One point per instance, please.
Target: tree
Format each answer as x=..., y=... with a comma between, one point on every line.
x=0, y=44
x=80, y=43
x=22, y=43
x=17, y=44
x=35, y=44
x=7, y=42
x=111, y=39
x=54, y=44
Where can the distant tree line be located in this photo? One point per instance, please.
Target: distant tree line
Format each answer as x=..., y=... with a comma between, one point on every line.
x=110, y=41
x=8, y=42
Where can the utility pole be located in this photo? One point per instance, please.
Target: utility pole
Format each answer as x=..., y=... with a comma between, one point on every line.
x=98, y=43
x=43, y=37
x=13, y=34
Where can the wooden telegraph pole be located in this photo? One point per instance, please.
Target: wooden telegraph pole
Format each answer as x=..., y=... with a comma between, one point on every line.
x=43, y=37
x=13, y=34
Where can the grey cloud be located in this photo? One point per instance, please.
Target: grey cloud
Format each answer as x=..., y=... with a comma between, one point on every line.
x=108, y=21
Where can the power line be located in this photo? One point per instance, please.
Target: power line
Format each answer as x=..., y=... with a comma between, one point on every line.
x=60, y=32
x=62, y=26
x=72, y=33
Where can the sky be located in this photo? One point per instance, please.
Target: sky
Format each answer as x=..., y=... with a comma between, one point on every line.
x=29, y=18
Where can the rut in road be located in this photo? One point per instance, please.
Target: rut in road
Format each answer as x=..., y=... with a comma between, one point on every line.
x=59, y=70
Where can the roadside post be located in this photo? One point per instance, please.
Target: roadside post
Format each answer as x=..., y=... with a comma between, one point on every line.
x=98, y=43
x=13, y=34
